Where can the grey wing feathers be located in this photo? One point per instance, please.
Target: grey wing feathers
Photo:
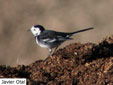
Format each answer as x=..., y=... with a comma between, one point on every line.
x=52, y=36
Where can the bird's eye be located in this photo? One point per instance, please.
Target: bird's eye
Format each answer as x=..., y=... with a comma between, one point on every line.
x=34, y=29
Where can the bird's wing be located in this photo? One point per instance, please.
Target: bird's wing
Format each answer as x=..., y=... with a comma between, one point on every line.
x=52, y=36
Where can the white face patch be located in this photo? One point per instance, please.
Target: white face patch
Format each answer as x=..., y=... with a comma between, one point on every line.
x=35, y=31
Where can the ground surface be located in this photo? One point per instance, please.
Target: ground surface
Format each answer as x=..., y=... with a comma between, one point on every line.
x=76, y=64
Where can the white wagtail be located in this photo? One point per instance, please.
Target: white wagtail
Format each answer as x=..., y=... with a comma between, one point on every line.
x=51, y=39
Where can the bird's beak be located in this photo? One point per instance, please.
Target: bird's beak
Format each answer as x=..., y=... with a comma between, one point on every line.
x=28, y=30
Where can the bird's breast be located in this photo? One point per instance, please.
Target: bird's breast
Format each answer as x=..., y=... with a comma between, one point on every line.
x=41, y=44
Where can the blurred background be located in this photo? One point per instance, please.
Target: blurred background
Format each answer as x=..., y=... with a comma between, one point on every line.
x=17, y=46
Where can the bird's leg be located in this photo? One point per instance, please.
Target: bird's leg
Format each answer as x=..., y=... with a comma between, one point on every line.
x=55, y=49
x=50, y=51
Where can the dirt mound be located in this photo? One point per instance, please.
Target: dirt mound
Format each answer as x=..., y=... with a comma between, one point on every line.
x=76, y=64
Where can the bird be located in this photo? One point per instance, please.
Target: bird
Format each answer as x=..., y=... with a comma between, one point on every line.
x=52, y=39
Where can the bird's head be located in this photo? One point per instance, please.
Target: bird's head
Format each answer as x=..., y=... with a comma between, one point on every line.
x=37, y=29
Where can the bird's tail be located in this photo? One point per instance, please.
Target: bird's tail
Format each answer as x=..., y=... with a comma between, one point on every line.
x=81, y=31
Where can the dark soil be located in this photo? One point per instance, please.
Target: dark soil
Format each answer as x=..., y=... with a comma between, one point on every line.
x=76, y=64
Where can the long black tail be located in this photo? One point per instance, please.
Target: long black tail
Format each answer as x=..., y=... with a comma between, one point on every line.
x=81, y=30
x=70, y=34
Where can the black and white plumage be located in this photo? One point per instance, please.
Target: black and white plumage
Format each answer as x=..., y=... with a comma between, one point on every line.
x=51, y=39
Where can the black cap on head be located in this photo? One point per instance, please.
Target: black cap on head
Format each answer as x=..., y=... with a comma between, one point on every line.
x=40, y=27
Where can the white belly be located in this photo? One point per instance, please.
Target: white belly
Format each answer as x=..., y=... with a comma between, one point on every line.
x=41, y=45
